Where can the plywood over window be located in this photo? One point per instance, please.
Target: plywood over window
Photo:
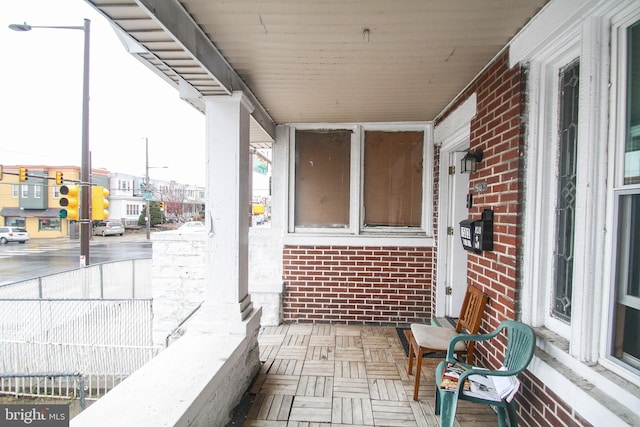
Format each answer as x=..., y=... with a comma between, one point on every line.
x=393, y=163
x=322, y=180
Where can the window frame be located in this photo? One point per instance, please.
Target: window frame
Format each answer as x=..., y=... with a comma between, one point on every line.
x=58, y=227
x=543, y=161
x=363, y=230
x=618, y=132
x=422, y=235
x=588, y=338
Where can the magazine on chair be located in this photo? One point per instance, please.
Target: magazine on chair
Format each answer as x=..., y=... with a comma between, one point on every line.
x=493, y=387
x=480, y=386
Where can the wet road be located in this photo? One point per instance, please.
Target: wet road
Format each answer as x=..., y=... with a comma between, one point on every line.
x=40, y=257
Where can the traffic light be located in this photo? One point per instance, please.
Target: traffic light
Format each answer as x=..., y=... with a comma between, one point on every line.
x=23, y=174
x=59, y=178
x=99, y=203
x=70, y=202
x=162, y=206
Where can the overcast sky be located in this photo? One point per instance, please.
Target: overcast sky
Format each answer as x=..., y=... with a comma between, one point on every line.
x=41, y=101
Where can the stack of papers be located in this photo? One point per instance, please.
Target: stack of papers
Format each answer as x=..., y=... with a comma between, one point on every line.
x=493, y=387
x=480, y=386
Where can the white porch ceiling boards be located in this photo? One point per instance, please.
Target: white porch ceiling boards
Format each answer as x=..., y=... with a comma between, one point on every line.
x=317, y=61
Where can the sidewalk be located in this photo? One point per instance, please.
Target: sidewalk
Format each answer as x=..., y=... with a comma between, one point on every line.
x=130, y=235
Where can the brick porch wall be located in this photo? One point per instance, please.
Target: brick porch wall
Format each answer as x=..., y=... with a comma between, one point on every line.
x=498, y=130
x=352, y=284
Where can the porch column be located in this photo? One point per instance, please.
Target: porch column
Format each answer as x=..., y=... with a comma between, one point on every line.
x=228, y=302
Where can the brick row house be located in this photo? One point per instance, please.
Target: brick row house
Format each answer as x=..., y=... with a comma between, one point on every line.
x=366, y=213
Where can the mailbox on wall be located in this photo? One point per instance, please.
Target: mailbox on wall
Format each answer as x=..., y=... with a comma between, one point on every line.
x=477, y=235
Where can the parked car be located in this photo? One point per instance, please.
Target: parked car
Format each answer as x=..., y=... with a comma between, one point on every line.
x=192, y=226
x=13, y=234
x=108, y=228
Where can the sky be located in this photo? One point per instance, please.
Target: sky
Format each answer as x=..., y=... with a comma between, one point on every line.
x=41, y=101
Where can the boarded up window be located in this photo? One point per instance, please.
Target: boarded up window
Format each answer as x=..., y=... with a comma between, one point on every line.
x=322, y=178
x=393, y=178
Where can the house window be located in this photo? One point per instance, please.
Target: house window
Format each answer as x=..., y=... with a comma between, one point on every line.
x=133, y=210
x=322, y=178
x=37, y=191
x=566, y=195
x=625, y=342
x=56, y=192
x=15, y=191
x=393, y=178
x=361, y=181
x=24, y=190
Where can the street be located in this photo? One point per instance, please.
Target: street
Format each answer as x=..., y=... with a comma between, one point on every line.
x=41, y=257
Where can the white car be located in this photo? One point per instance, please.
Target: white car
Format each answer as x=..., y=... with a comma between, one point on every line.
x=108, y=228
x=192, y=226
x=13, y=234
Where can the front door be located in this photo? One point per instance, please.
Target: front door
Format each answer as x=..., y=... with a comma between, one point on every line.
x=456, y=256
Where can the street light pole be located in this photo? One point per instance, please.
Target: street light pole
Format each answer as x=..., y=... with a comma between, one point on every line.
x=85, y=171
x=146, y=189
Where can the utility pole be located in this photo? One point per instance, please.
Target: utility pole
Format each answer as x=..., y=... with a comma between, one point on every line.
x=147, y=195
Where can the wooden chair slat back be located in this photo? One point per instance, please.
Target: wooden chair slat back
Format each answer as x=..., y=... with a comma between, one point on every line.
x=472, y=310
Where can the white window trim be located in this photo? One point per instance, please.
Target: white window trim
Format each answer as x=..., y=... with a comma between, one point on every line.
x=540, y=192
x=587, y=340
x=617, y=134
x=590, y=36
x=355, y=232
x=24, y=191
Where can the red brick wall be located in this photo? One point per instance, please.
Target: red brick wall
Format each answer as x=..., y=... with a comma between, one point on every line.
x=498, y=130
x=353, y=284
x=539, y=406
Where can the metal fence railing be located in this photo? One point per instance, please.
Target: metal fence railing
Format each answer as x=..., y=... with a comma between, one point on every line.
x=95, y=320
x=121, y=279
x=51, y=384
x=102, y=366
x=90, y=321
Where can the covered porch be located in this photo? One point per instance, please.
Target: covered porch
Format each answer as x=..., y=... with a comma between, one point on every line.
x=321, y=374
x=345, y=90
x=309, y=375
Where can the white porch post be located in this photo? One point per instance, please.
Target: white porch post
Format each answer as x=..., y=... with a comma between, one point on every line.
x=228, y=302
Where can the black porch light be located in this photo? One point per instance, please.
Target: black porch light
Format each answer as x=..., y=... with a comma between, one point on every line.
x=469, y=161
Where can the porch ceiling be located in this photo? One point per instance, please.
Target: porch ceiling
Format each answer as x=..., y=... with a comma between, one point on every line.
x=317, y=61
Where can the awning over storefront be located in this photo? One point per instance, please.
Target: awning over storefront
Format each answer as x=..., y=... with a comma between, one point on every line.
x=28, y=213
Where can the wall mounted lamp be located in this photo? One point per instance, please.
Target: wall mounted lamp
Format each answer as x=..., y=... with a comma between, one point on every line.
x=469, y=161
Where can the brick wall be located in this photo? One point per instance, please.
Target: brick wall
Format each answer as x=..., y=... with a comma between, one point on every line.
x=498, y=130
x=377, y=285
x=539, y=406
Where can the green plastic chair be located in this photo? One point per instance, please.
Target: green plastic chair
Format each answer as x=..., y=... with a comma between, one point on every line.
x=521, y=343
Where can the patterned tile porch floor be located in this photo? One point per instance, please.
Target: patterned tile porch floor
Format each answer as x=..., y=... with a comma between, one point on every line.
x=340, y=375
